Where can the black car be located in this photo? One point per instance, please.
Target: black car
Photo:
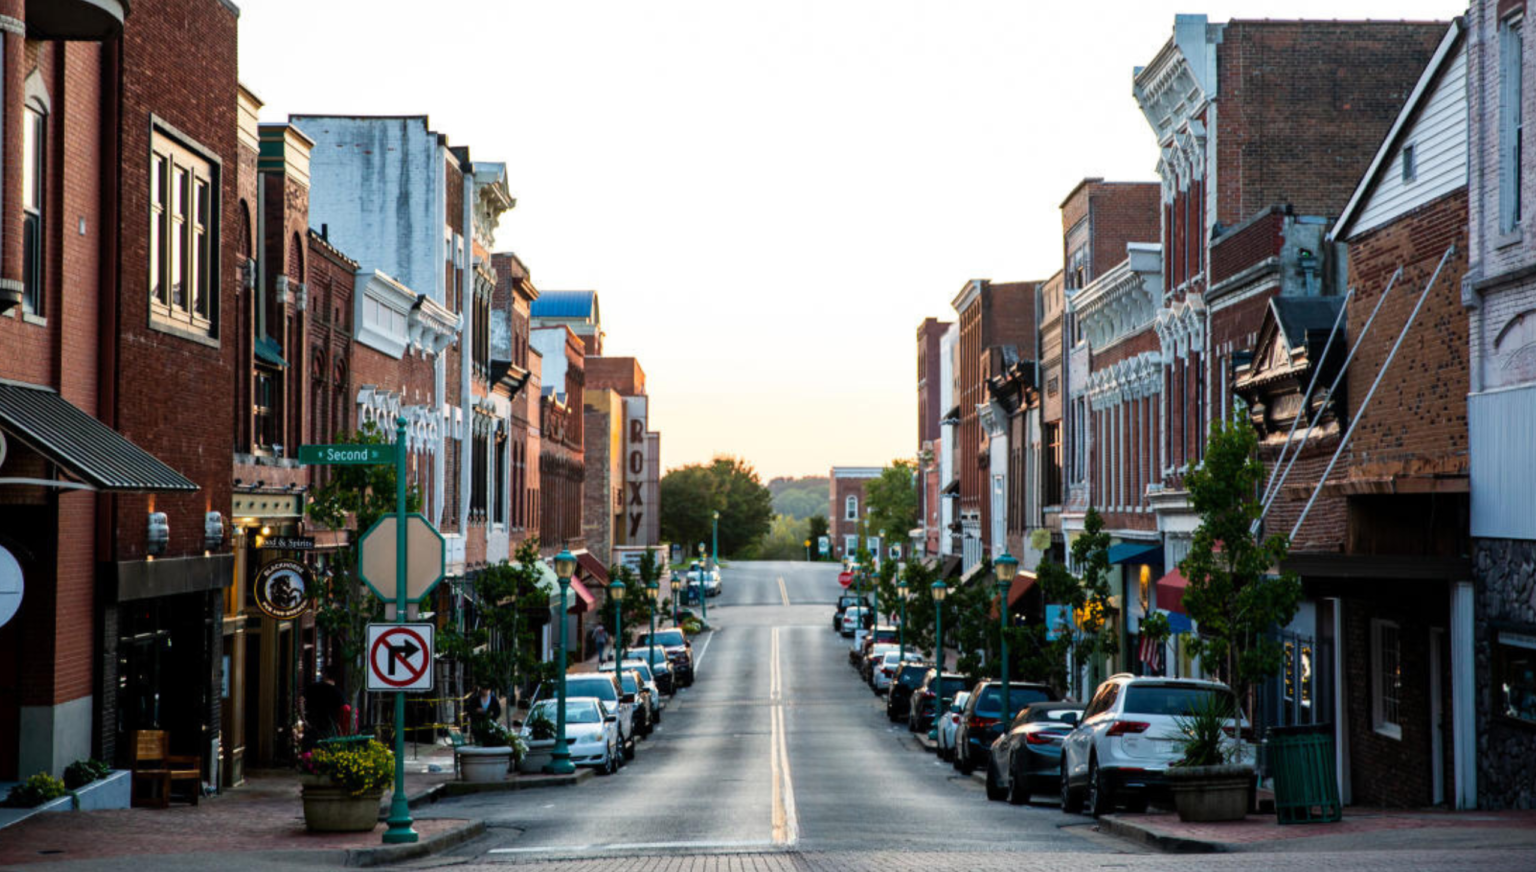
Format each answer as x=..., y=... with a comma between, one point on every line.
x=1027, y=761
x=906, y=680
x=661, y=667
x=926, y=697
x=983, y=719
x=679, y=653
x=843, y=602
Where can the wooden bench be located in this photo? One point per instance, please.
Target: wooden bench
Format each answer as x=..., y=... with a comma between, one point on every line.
x=157, y=769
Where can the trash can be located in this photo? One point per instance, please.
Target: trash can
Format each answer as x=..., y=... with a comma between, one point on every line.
x=1306, y=786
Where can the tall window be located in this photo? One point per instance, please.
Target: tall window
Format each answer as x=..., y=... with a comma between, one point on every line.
x=1050, y=477
x=851, y=509
x=1386, y=678
x=264, y=407
x=33, y=141
x=1511, y=122
x=182, y=232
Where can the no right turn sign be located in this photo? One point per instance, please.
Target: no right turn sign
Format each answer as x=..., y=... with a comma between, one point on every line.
x=400, y=656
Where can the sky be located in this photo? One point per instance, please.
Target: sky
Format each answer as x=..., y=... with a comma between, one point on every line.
x=768, y=197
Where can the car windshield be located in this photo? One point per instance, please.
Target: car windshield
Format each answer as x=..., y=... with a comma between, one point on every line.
x=645, y=671
x=886, y=636
x=671, y=638
x=890, y=658
x=600, y=686
x=1177, y=700
x=951, y=685
x=644, y=654
x=991, y=700
x=576, y=712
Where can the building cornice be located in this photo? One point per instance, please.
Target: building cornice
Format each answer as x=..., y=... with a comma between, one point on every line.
x=1124, y=299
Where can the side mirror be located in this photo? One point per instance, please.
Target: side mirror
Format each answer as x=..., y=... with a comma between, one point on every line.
x=612, y=719
x=628, y=697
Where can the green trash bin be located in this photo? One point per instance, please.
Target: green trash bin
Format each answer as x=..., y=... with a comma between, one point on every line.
x=1301, y=761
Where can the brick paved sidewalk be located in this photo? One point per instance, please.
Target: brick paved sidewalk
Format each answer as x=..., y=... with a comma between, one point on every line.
x=264, y=815
x=1361, y=829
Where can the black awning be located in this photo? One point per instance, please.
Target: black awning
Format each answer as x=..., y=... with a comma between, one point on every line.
x=90, y=450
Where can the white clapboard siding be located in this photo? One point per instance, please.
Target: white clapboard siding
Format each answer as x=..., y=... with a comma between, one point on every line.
x=1439, y=137
x=1499, y=425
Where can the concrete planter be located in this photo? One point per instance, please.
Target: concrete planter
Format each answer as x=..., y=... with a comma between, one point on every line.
x=484, y=765
x=332, y=809
x=540, y=752
x=1210, y=793
x=114, y=791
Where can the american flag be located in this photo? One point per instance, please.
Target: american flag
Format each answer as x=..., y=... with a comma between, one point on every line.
x=1151, y=654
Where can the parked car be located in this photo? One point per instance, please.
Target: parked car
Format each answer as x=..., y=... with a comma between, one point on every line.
x=898, y=699
x=591, y=731
x=873, y=655
x=679, y=652
x=1027, y=761
x=706, y=579
x=885, y=671
x=843, y=602
x=856, y=618
x=606, y=687
x=660, y=668
x=646, y=709
x=949, y=724
x=984, y=719
x=926, y=698
x=1127, y=738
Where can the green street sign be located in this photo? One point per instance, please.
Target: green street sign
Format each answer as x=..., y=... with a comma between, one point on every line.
x=346, y=455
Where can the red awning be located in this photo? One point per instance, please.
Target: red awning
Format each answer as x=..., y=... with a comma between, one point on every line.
x=1170, y=591
x=593, y=567
x=585, y=601
x=1021, y=585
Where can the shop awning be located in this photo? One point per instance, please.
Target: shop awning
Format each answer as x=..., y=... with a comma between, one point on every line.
x=1135, y=552
x=1170, y=591
x=1020, y=586
x=952, y=488
x=267, y=352
x=548, y=582
x=951, y=566
x=593, y=567
x=88, y=449
x=585, y=601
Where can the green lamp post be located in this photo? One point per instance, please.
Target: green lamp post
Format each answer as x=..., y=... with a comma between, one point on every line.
x=703, y=593
x=560, y=757
x=617, y=590
x=677, y=590
x=1006, y=567
x=654, y=589
x=939, y=591
x=901, y=594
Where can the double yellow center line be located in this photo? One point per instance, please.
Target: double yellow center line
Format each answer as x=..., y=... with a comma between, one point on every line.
x=786, y=823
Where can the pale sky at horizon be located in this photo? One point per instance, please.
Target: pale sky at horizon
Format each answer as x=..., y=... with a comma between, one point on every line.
x=769, y=197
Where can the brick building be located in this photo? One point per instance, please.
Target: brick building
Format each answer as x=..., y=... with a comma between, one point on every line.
x=562, y=429
x=629, y=479
x=1052, y=385
x=930, y=411
x=514, y=296
x=846, y=524
x=1500, y=293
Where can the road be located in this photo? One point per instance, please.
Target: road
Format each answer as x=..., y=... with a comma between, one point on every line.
x=780, y=758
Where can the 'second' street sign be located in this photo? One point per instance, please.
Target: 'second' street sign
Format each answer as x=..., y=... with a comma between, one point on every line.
x=400, y=656
x=423, y=560
x=346, y=455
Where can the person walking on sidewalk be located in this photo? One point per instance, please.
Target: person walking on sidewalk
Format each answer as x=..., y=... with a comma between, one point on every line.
x=600, y=639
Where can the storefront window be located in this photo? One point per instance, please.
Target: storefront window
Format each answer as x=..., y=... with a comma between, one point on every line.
x=1515, y=672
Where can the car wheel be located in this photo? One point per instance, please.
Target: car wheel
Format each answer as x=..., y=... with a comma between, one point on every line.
x=1069, y=798
x=629, y=750
x=1019, y=786
x=995, y=791
x=1099, y=799
x=962, y=757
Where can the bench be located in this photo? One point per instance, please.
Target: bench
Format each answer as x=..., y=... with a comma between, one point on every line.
x=156, y=770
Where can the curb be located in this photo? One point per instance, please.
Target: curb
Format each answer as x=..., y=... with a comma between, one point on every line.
x=1117, y=826
x=385, y=854
x=468, y=788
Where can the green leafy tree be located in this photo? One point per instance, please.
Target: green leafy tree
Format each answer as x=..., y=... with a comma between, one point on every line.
x=352, y=497
x=892, y=501
x=492, y=644
x=1232, y=597
x=816, y=528
x=729, y=485
x=635, y=605
x=1091, y=637
x=785, y=539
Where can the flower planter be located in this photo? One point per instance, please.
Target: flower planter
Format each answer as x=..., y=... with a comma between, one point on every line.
x=1210, y=793
x=539, y=753
x=484, y=765
x=329, y=808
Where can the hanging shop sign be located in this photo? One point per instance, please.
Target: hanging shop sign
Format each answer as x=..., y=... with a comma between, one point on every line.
x=287, y=543
x=283, y=589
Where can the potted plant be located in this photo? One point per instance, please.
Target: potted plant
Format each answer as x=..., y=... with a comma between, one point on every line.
x=494, y=752
x=343, y=781
x=539, y=745
x=1206, y=787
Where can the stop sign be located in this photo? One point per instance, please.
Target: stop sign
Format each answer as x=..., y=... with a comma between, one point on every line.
x=845, y=579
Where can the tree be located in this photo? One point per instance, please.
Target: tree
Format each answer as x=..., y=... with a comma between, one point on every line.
x=729, y=485
x=816, y=528
x=1232, y=597
x=636, y=605
x=492, y=644
x=785, y=540
x=892, y=501
x=1090, y=637
x=344, y=606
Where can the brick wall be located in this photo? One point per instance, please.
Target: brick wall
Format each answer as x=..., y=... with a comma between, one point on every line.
x=1258, y=238
x=620, y=374
x=598, y=483
x=1121, y=213
x=839, y=526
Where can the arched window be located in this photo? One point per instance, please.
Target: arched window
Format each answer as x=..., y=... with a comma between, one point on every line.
x=243, y=241
x=296, y=259
x=851, y=508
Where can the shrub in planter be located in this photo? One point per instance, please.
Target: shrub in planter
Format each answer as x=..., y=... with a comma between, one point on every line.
x=345, y=780
x=1206, y=787
x=82, y=772
x=35, y=791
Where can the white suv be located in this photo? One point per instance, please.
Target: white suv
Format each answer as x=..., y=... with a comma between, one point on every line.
x=1127, y=737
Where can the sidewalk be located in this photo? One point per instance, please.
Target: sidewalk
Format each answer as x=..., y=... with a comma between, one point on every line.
x=1362, y=829
x=263, y=815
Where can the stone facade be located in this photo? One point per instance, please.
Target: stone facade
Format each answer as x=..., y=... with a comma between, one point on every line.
x=1506, y=598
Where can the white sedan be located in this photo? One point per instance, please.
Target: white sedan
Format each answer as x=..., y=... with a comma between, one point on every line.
x=949, y=725
x=885, y=670
x=591, y=732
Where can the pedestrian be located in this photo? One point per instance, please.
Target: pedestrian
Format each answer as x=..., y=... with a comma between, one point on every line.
x=600, y=639
x=323, y=705
x=484, y=707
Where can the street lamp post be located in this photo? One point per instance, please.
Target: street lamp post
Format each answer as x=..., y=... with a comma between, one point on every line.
x=1006, y=567
x=901, y=593
x=677, y=590
x=880, y=566
x=703, y=590
x=560, y=758
x=714, y=541
x=939, y=591
x=616, y=590
x=654, y=589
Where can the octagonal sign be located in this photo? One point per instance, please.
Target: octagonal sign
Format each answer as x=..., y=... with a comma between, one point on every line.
x=424, y=559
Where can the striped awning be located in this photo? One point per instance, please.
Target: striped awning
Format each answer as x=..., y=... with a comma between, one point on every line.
x=83, y=446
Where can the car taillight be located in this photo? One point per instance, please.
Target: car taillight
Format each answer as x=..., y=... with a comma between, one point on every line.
x=976, y=723
x=887, y=672
x=1121, y=728
x=1042, y=738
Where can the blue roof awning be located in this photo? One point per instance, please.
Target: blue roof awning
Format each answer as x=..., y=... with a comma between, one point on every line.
x=1135, y=552
x=267, y=352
